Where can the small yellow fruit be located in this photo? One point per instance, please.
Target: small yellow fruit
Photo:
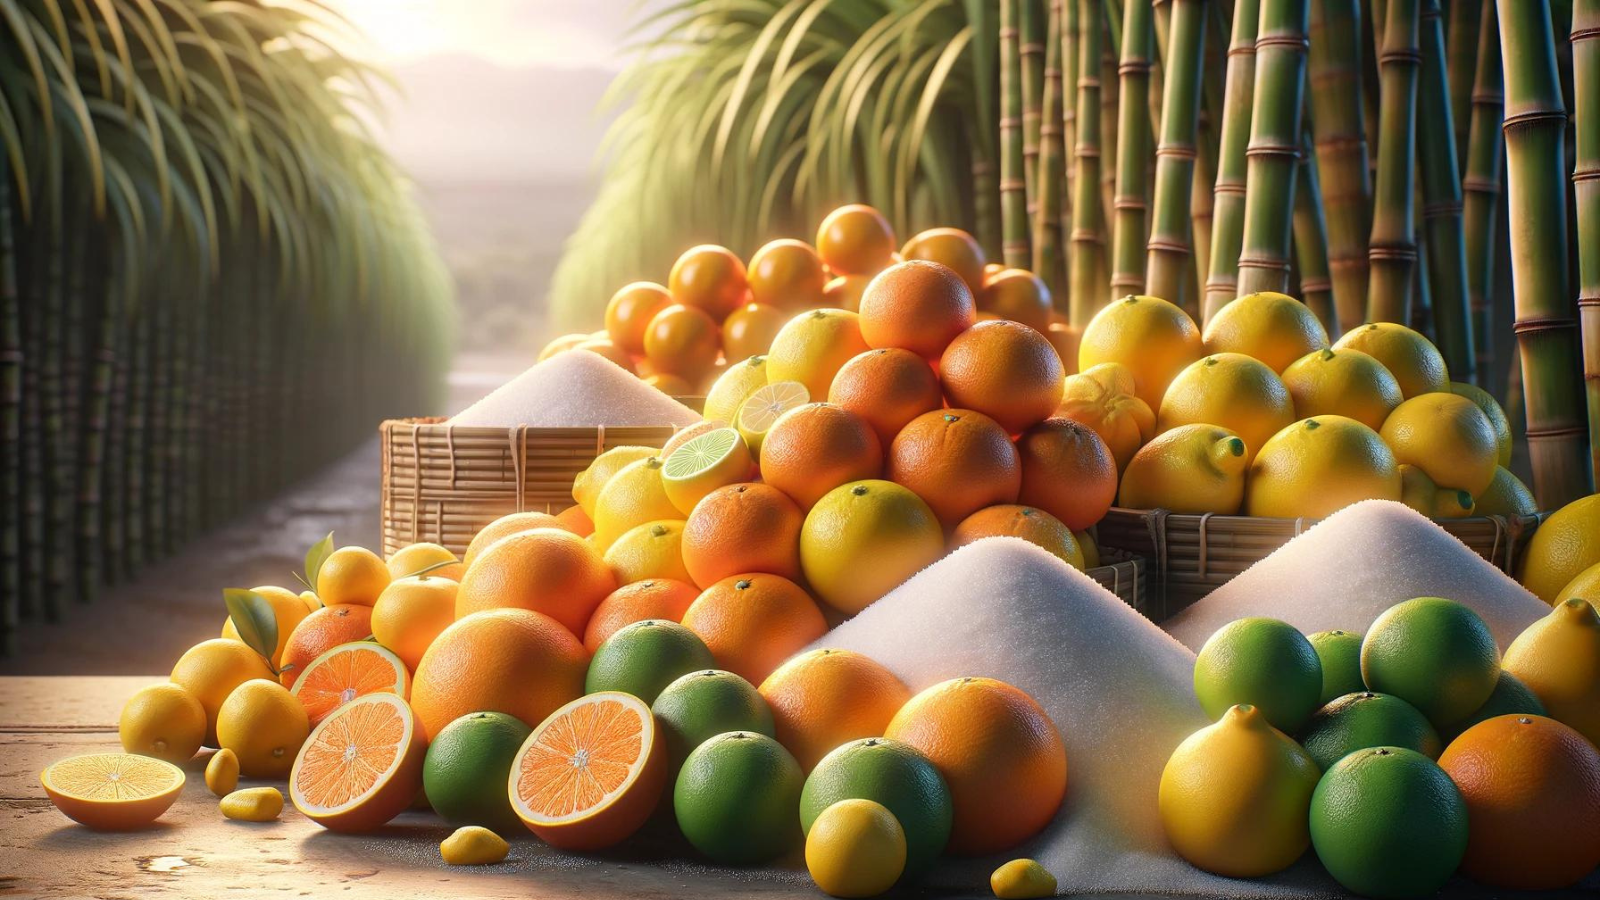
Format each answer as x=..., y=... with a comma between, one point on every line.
x=1567, y=543
x=1091, y=550
x=258, y=804
x=1022, y=879
x=733, y=387
x=1506, y=496
x=164, y=721
x=651, y=550
x=1274, y=328
x=411, y=612
x=473, y=845
x=856, y=848
x=863, y=539
x=634, y=496
x=311, y=600
x=264, y=725
x=1342, y=383
x=1155, y=339
x=1558, y=658
x=1412, y=359
x=1317, y=467
x=410, y=560
x=1190, y=470
x=1447, y=436
x=1232, y=391
x=352, y=575
x=222, y=772
x=210, y=670
x=1585, y=586
x=1419, y=492
x=1492, y=411
x=287, y=608
x=587, y=486
x=1103, y=398
x=813, y=346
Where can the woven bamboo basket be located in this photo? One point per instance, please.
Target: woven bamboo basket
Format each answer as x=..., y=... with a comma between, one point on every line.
x=1126, y=575
x=1195, y=555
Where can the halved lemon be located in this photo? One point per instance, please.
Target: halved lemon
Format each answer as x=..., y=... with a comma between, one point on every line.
x=703, y=464
x=112, y=791
x=591, y=773
x=764, y=406
x=361, y=767
x=348, y=671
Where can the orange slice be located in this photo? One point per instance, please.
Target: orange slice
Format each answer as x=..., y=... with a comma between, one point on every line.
x=346, y=672
x=591, y=773
x=112, y=791
x=361, y=767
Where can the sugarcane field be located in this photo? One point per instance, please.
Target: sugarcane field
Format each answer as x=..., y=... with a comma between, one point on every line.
x=800, y=448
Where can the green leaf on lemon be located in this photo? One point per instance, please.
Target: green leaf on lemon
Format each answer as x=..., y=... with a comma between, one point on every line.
x=315, y=557
x=254, y=619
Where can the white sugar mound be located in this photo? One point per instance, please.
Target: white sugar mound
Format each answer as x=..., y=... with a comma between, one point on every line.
x=575, y=390
x=1347, y=569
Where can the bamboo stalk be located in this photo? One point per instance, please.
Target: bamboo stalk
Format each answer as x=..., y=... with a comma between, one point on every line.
x=1087, y=287
x=1069, y=122
x=1311, y=241
x=1031, y=31
x=1202, y=209
x=1586, y=190
x=1461, y=55
x=1334, y=73
x=1133, y=151
x=985, y=187
x=1168, y=265
x=1047, y=249
x=1445, y=244
x=10, y=421
x=1227, y=235
x=1274, y=151
x=1013, y=164
x=1110, y=106
x=1393, y=249
x=1481, y=189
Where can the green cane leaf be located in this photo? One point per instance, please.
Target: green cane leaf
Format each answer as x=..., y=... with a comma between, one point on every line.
x=254, y=619
x=315, y=557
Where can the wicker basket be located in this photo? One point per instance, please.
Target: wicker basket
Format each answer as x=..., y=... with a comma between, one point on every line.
x=1195, y=555
x=442, y=483
x=1126, y=575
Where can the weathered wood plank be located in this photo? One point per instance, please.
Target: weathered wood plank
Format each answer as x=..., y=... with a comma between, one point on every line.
x=64, y=703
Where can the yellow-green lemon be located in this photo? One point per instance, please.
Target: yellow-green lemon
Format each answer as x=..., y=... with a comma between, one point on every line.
x=633, y=496
x=1416, y=364
x=1492, y=411
x=1230, y=390
x=1506, y=496
x=587, y=486
x=1342, y=383
x=473, y=845
x=732, y=388
x=1422, y=494
x=1447, y=436
x=1191, y=469
x=1022, y=879
x=1586, y=586
x=1154, y=338
x=651, y=550
x=856, y=848
x=1558, y=658
x=1271, y=327
x=1567, y=543
x=1317, y=467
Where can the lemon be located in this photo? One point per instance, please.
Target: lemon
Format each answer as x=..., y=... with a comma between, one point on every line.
x=222, y=772
x=856, y=848
x=765, y=406
x=1235, y=796
x=311, y=601
x=1447, y=436
x=1506, y=496
x=473, y=845
x=1103, y=398
x=1567, y=543
x=1191, y=469
x=863, y=539
x=287, y=608
x=587, y=486
x=813, y=346
x=1412, y=359
x=1491, y=409
x=352, y=575
x=704, y=463
x=634, y=496
x=163, y=721
x=1022, y=879
x=1342, y=383
x=1586, y=585
x=732, y=388
x=1317, y=467
x=413, y=558
x=1091, y=550
x=264, y=725
x=651, y=550
x=258, y=804
x=1422, y=494
x=1153, y=338
x=1233, y=391
x=210, y=670
x=1558, y=658
x=1274, y=328
x=112, y=791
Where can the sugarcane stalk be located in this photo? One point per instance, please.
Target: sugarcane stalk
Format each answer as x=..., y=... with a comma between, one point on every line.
x=1465, y=19
x=1168, y=265
x=1069, y=123
x=1227, y=234
x=1586, y=192
x=1047, y=224
x=1311, y=240
x=1031, y=30
x=985, y=188
x=1133, y=151
x=1202, y=208
x=1392, y=250
x=1274, y=151
x=1110, y=105
x=1441, y=212
x=1481, y=189
x=1334, y=73
x=1013, y=167
x=1087, y=287
x=11, y=360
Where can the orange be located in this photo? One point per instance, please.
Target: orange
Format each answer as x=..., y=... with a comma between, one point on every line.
x=112, y=791
x=575, y=520
x=1067, y=471
x=826, y=698
x=590, y=774
x=742, y=528
x=361, y=767
x=1532, y=787
x=514, y=661
x=709, y=278
x=630, y=311
x=656, y=598
x=320, y=632
x=352, y=575
x=683, y=341
x=1065, y=339
x=607, y=350
x=918, y=306
x=949, y=247
x=1155, y=339
x=546, y=570
x=1018, y=295
x=346, y=672
x=845, y=292
x=1004, y=370
x=505, y=526
x=411, y=559
x=786, y=274
x=855, y=240
x=749, y=330
x=814, y=448
x=999, y=753
x=812, y=347
x=411, y=612
x=671, y=385
x=753, y=622
x=888, y=388
x=957, y=460
x=1102, y=397
x=1035, y=526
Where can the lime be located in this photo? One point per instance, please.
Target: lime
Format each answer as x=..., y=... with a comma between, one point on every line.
x=467, y=768
x=1358, y=721
x=1265, y=663
x=1433, y=653
x=701, y=705
x=895, y=775
x=643, y=658
x=704, y=463
x=736, y=798
x=763, y=407
x=1388, y=822
x=856, y=849
x=1510, y=697
x=1340, y=654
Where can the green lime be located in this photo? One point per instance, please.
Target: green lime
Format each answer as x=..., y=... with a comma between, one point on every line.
x=1264, y=663
x=737, y=798
x=1358, y=721
x=1340, y=654
x=1510, y=697
x=643, y=658
x=1387, y=822
x=701, y=705
x=895, y=775
x=468, y=764
x=1433, y=653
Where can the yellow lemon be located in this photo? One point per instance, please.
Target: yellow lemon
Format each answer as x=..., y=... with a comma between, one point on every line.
x=634, y=496
x=210, y=670
x=1317, y=467
x=222, y=772
x=1090, y=550
x=287, y=608
x=473, y=845
x=311, y=601
x=1412, y=359
x=1342, y=383
x=1567, y=543
x=1506, y=496
x=410, y=560
x=1419, y=492
x=1022, y=879
x=651, y=550
x=863, y=539
x=352, y=575
x=264, y=725
x=1586, y=586
x=257, y=804
x=1103, y=398
x=1272, y=327
x=1447, y=436
x=813, y=346
x=765, y=406
x=1153, y=338
x=704, y=463
x=733, y=387
x=856, y=848
x=1558, y=658
x=587, y=486
x=1235, y=797
x=1232, y=391
x=164, y=721
x=1191, y=469
x=1492, y=410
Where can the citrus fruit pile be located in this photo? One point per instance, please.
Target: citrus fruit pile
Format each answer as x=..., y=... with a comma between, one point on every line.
x=1401, y=756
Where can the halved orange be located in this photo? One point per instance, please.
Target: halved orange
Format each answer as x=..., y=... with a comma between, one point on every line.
x=112, y=791
x=346, y=672
x=591, y=773
x=361, y=767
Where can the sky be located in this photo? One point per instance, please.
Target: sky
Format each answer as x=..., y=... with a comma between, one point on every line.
x=511, y=33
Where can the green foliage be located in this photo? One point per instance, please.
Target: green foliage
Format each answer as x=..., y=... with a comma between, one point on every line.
x=254, y=619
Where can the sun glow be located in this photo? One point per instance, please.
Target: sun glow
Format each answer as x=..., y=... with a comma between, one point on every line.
x=508, y=32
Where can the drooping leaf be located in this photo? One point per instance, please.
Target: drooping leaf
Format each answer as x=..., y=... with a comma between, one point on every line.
x=254, y=619
x=315, y=557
